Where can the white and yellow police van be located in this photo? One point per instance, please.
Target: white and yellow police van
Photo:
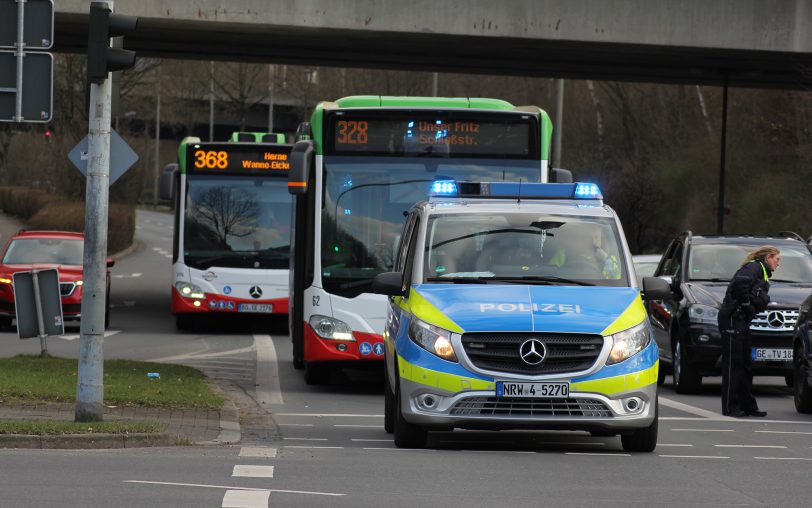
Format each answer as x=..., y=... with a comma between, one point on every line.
x=515, y=306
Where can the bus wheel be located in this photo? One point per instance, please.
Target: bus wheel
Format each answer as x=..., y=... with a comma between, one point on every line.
x=317, y=373
x=183, y=322
x=298, y=354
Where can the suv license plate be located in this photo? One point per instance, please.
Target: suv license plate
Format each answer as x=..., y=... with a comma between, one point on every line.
x=772, y=355
x=265, y=308
x=532, y=390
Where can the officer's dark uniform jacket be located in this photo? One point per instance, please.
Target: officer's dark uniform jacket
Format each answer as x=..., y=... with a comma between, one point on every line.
x=746, y=296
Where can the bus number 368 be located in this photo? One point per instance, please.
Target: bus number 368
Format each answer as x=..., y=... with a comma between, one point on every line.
x=352, y=132
x=211, y=159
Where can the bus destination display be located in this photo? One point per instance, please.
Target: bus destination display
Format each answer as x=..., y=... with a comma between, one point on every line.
x=233, y=158
x=416, y=133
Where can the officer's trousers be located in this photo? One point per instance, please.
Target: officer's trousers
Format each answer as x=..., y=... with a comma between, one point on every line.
x=737, y=371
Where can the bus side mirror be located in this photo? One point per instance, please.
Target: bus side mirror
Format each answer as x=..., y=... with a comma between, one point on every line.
x=562, y=175
x=301, y=160
x=655, y=288
x=166, y=185
x=388, y=283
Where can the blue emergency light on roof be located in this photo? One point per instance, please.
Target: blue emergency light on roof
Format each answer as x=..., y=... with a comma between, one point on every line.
x=516, y=190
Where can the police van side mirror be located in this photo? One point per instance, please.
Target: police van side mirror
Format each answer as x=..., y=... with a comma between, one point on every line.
x=389, y=284
x=301, y=161
x=655, y=288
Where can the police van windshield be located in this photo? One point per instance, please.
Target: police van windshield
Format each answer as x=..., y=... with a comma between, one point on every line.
x=718, y=262
x=524, y=246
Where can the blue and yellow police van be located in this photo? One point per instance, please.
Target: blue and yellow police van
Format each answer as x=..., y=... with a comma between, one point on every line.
x=515, y=306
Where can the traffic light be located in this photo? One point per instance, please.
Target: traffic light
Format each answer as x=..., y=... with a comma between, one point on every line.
x=101, y=58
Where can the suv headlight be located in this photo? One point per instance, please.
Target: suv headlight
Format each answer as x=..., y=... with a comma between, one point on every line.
x=331, y=328
x=705, y=314
x=629, y=342
x=189, y=290
x=436, y=341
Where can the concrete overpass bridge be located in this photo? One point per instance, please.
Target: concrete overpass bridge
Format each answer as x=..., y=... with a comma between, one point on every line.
x=755, y=43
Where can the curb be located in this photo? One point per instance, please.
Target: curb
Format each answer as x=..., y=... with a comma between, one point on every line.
x=90, y=441
x=229, y=421
x=135, y=246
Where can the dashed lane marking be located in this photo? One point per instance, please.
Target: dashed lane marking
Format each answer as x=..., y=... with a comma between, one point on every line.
x=596, y=454
x=258, y=451
x=108, y=333
x=305, y=439
x=400, y=449
x=747, y=446
x=361, y=426
x=326, y=415
x=314, y=447
x=685, y=408
x=673, y=444
x=176, y=484
x=782, y=458
x=694, y=456
x=246, y=499
x=295, y=424
x=244, y=471
x=127, y=276
x=703, y=430
x=781, y=432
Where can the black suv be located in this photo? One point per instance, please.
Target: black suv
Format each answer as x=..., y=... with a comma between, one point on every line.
x=699, y=268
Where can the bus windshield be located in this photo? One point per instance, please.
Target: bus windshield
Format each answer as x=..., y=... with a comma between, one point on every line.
x=364, y=202
x=236, y=222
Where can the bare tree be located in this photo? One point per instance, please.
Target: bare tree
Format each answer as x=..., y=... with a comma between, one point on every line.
x=226, y=212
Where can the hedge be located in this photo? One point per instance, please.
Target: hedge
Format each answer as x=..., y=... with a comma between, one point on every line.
x=41, y=210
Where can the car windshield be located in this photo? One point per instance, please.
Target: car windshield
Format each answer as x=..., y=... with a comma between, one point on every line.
x=718, y=262
x=56, y=251
x=547, y=249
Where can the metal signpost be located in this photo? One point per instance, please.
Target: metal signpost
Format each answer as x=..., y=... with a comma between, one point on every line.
x=26, y=72
x=38, y=305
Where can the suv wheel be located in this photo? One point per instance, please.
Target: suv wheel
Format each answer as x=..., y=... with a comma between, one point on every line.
x=803, y=396
x=642, y=440
x=686, y=378
x=407, y=435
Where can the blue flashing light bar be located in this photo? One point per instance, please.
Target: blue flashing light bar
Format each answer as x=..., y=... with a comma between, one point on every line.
x=516, y=190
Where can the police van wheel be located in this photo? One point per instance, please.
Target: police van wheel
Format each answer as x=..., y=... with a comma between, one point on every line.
x=642, y=440
x=802, y=395
x=388, y=405
x=407, y=435
x=686, y=378
x=317, y=373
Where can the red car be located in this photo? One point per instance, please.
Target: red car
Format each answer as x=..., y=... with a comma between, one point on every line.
x=28, y=250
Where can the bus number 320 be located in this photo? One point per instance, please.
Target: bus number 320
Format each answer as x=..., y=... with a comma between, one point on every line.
x=352, y=132
x=211, y=159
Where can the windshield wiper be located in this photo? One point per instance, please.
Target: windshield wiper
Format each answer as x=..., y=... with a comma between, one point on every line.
x=544, y=279
x=460, y=280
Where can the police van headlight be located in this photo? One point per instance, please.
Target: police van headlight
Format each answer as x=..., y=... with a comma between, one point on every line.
x=330, y=328
x=435, y=340
x=189, y=290
x=629, y=342
x=703, y=314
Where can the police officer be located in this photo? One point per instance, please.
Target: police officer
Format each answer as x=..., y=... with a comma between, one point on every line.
x=746, y=296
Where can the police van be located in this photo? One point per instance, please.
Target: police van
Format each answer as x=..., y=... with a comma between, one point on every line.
x=515, y=306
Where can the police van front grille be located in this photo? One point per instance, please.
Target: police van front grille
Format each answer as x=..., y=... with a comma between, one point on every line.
x=530, y=408
x=774, y=321
x=500, y=352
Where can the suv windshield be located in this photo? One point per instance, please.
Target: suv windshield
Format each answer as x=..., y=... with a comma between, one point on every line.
x=55, y=251
x=718, y=262
x=555, y=249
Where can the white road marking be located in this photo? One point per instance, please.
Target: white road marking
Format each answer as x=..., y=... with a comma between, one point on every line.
x=244, y=471
x=372, y=440
x=673, y=444
x=202, y=354
x=781, y=458
x=257, y=451
x=781, y=432
x=694, y=456
x=703, y=430
x=268, y=389
x=361, y=426
x=401, y=449
x=746, y=446
x=316, y=447
x=128, y=276
x=295, y=424
x=107, y=333
x=305, y=439
x=728, y=419
x=235, y=488
x=673, y=404
x=246, y=499
x=326, y=415
x=599, y=454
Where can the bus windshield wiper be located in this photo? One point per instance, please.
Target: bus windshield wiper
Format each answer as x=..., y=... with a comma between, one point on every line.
x=460, y=280
x=544, y=279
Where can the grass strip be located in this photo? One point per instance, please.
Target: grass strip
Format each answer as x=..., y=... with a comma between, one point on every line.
x=57, y=428
x=31, y=378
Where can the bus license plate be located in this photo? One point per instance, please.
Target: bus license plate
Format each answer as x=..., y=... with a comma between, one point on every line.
x=772, y=355
x=532, y=390
x=255, y=307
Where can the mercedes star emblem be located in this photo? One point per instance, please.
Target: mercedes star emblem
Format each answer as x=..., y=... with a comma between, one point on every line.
x=532, y=351
x=775, y=319
x=255, y=292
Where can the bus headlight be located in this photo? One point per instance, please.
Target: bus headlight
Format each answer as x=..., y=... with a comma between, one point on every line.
x=189, y=290
x=433, y=339
x=629, y=342
x=331, y=328
x=703, y=314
